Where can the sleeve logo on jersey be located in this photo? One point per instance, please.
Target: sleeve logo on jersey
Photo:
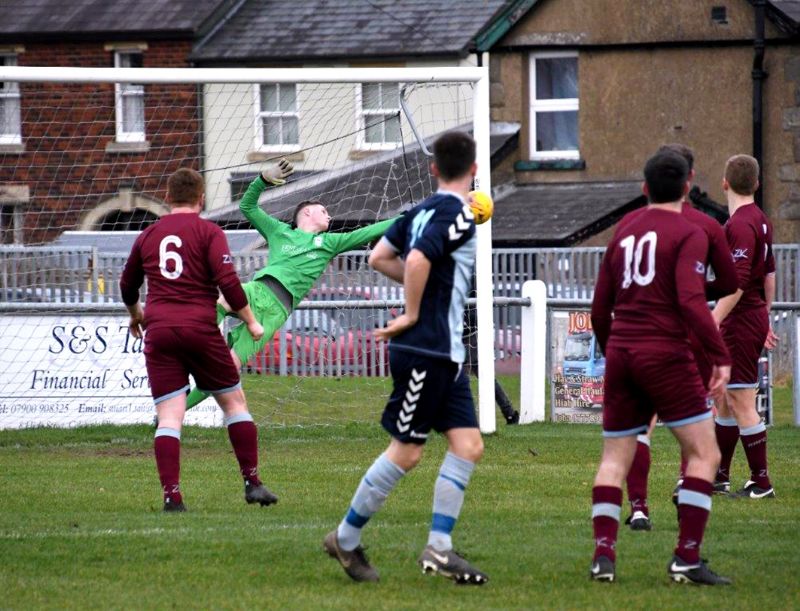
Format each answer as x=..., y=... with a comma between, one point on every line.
x=226, y=258
x=418, y=225
x=457, y=229
x=700, y=268
x=740, y=253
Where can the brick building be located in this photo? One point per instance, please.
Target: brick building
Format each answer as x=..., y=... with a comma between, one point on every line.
x=95, y=156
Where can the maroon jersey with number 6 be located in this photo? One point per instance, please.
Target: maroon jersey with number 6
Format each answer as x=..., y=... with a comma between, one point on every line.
x=184, y=258
x=652, y=281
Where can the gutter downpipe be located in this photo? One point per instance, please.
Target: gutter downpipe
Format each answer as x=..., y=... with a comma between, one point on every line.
x=759, y=76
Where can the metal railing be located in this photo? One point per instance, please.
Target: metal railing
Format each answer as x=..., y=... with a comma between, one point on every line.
x=337, y=341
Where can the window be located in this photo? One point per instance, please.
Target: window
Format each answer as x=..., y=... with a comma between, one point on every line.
x=554, y=106
x=10, y=131
x=11, y=224
x=277, y=121
x=379, y=117
x=129, y=100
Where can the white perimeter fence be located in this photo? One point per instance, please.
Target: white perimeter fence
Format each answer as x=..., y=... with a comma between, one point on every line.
x=330, y=334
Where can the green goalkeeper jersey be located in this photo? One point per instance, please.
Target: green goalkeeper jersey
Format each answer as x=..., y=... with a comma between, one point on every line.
x=297, y=258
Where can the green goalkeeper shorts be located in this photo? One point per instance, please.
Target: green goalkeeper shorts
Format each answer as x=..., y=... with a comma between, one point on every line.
x=267, y=310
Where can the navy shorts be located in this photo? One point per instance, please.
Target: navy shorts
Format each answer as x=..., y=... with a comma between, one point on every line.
x=172, y=353
x=744, y=334
x=428, y=393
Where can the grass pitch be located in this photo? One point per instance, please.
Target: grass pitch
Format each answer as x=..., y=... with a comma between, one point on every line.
x=81, y=526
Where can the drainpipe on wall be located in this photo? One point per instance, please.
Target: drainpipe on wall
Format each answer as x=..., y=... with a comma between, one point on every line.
x=759, y=76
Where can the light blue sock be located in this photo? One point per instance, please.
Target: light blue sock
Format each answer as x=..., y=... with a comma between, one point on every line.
x=375, y=486
x=448, y=496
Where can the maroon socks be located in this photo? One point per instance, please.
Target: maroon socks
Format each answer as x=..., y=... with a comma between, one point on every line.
x=637, y=476
x=694, y=507
x=243, y=434
x=167, y=448
x=606, y=507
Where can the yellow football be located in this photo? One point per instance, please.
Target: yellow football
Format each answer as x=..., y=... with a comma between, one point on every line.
x=481, y=205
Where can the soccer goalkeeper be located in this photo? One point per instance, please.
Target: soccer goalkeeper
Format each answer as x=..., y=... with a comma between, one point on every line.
x=297, y=257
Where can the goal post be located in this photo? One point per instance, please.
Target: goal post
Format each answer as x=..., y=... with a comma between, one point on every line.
x=227, y=102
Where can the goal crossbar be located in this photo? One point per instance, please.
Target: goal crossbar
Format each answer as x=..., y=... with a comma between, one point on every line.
x=240, y=75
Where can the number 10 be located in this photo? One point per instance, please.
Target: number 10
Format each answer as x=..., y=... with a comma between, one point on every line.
x=633, y=259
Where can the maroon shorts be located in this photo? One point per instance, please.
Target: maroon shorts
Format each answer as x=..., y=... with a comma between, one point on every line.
x=640, y=382
x=744, y=334
x=171, y=354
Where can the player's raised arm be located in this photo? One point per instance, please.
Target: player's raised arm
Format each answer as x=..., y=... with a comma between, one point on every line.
x=260, y=220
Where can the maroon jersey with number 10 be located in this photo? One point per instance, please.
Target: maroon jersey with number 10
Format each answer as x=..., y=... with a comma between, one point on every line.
x=652, y=280
x=184, y=258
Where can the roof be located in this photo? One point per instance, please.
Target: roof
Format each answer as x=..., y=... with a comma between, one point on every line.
x=120, y=242
x=367, y=190
x=265, y=30
x=786, y=14
x=561, y=214
x=364, y=192
x=25, y=19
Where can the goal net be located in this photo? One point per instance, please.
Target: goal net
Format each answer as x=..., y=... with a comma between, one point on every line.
x=84, y=159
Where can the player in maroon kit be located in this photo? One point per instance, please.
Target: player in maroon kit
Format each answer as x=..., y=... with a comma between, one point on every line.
x=725, y=282
x=649, y=292
x=744, y=322
x=185, y=259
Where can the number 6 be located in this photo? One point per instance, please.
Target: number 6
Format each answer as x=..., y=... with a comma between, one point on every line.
x=165, y=255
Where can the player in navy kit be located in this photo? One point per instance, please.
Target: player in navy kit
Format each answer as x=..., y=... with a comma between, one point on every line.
x=432, y=251
x=185, y=259
x=649, y=292
x=744, y=322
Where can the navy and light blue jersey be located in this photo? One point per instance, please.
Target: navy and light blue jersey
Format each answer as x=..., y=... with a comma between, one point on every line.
x=443, y=228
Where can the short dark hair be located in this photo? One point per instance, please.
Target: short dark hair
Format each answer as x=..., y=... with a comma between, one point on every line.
x=682, y=150
x=741, y=172
x=304, y=204
x=184, y=186
x=666, y=174
x=454, y=154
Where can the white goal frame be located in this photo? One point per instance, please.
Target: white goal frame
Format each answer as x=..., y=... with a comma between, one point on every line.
x=478, y=76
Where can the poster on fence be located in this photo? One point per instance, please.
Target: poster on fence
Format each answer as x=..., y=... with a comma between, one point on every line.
x=67, y=371
x=578, y=369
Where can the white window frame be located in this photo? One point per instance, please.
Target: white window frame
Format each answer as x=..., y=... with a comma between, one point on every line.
x=361, y=120
x=535, y=105
x=122, y=90
x=12, y=93
x=260, y=114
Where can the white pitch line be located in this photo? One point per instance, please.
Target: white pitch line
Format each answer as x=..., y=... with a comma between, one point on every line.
x=77, y=533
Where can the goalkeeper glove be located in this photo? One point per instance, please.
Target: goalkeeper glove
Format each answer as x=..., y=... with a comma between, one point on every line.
x=277, y=176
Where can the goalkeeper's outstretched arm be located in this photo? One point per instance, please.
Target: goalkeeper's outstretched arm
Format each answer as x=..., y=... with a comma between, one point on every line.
x=260, y=220
x=362, y=235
